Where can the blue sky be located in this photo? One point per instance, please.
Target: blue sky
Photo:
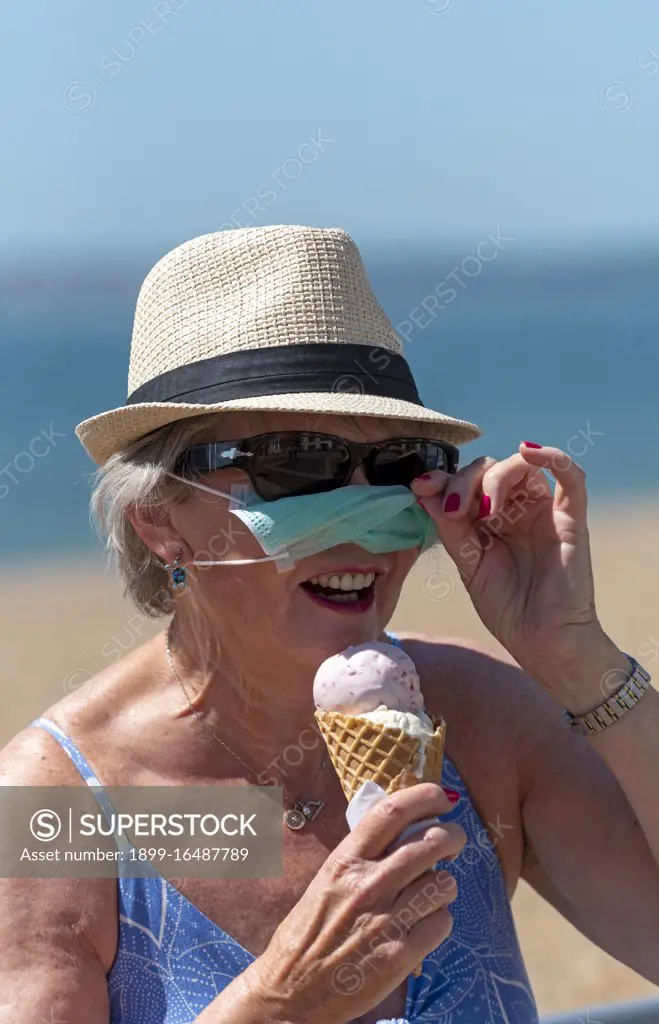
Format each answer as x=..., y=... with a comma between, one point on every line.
x=126, y=123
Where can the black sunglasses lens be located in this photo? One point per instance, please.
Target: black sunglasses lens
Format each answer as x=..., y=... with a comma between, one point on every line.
x=285, y=465
x=401, y=461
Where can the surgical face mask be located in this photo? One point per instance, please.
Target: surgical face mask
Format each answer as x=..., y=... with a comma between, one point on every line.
x=379, y=519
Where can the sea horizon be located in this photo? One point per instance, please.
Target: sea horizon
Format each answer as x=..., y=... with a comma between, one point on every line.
x=555, y=347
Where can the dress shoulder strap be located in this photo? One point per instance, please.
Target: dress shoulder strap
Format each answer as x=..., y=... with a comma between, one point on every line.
x=67, y=744
x=85, y=770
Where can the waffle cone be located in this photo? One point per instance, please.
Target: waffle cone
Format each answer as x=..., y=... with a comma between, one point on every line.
x=362, y=750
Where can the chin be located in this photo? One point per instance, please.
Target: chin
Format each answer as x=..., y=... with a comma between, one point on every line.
x=323, y=631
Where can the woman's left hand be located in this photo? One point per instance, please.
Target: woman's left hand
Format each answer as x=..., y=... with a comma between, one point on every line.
x=526, y=560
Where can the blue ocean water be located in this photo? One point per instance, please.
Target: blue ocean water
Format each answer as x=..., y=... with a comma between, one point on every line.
x=556, y=347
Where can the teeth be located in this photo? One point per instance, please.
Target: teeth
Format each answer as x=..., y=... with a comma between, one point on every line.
x=347, y=581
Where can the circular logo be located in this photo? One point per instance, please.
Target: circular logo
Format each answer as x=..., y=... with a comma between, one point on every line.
x=74, y=680
x=437, y=585
x=79, y=97
x=347, y=979
x=612, y=681
x=437, y=6
x=45, y=825
x=616, y=97
x=347, y=384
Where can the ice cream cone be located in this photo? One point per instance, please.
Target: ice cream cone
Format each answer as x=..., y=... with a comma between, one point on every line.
x=361, y=750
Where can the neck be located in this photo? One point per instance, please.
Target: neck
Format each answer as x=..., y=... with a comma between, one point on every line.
x=263, y=713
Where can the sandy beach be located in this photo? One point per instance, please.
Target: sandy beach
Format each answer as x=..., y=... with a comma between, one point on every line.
x=58, y=620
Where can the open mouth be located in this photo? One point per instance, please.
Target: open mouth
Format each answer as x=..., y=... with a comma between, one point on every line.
x=343, y=591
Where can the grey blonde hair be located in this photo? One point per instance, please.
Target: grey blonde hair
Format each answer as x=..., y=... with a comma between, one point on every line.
x=138, y=476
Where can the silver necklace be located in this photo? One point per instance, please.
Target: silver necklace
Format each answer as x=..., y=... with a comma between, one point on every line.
x=302, y=811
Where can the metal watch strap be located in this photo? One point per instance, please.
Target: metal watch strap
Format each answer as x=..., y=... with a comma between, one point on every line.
x=617, y=705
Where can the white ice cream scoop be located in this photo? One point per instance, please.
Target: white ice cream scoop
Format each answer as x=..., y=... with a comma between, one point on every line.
x=368, y=676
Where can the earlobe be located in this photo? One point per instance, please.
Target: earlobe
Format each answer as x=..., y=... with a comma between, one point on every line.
x=157, y=533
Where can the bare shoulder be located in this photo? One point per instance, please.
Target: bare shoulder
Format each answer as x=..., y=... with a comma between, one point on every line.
x=487, y=699
x=500, y=727
x=34, y=758
x=470, y=683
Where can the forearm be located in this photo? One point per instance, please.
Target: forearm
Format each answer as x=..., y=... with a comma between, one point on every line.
x=631, y=751
x=629, y=747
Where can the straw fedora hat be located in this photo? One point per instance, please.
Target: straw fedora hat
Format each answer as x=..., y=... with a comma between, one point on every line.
x=265, y=318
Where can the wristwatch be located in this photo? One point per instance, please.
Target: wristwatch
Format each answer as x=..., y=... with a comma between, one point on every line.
x=617, y=706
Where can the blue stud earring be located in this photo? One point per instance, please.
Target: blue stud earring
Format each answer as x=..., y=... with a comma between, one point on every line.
x=178, y=574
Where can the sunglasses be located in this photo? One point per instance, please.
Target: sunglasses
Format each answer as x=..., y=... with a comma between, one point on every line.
x=291, y=463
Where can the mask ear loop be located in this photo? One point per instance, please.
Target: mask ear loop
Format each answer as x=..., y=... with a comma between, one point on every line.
x=246, y=561
x=283, y=556
x=204, y=487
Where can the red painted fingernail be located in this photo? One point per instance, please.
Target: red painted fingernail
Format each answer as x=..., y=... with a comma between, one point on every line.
x=452, y=795
x=452, y=503
x=424, y=476
x=485, y=506
x=531, y=444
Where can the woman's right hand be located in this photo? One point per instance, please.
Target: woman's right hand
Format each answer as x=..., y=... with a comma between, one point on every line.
x=367, y=918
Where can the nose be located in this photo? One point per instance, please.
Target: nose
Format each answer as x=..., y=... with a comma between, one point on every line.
x=358, y=475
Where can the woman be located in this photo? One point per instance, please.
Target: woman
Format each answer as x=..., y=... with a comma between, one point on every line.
x=270, y=342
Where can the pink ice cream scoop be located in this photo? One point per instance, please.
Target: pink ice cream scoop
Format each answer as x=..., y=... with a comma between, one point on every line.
x=364, y=677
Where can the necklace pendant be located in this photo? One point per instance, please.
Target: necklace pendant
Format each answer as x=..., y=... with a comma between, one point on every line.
x=294, y=819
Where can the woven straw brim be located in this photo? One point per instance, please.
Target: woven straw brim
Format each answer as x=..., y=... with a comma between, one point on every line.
x=110, y=432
